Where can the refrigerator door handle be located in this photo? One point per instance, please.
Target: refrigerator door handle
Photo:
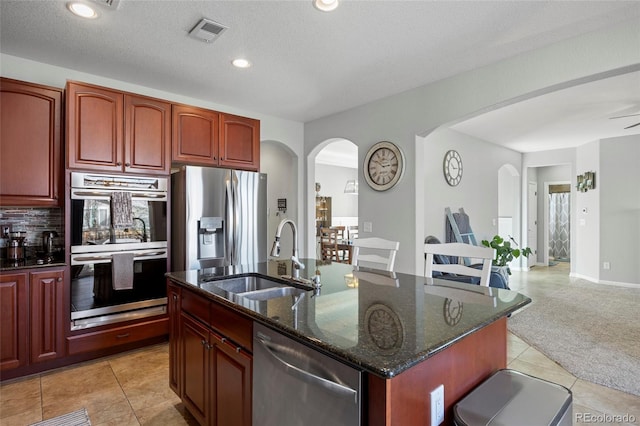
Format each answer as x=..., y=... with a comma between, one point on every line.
x=236, y=219
x=229, y=220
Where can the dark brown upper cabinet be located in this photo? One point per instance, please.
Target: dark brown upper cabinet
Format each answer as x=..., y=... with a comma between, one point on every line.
x=113, y=131
x=30, y=144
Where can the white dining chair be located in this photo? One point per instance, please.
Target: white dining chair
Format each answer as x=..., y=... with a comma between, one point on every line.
x=486, y=254
x=378, y=253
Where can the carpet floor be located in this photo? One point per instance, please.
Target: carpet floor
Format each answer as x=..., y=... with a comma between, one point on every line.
x=591, y=330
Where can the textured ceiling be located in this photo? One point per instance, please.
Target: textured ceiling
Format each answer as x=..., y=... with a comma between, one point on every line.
x=306, y=64
x=565, y=118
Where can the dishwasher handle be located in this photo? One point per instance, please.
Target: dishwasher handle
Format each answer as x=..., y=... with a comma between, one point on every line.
x=307, y=376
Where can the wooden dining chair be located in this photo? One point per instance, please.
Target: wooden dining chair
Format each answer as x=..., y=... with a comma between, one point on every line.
x=352, y=232
x=463, y=250
x=329, y=244
x=341, y=236
x=374, y=252
x=341, y=232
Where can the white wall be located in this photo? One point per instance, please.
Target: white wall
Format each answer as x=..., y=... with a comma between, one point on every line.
x=397, y=214
x=587, y=208
x=509, y=207
x=477, y=192
x=332, y=180
x=280, y=165
x=618, y=183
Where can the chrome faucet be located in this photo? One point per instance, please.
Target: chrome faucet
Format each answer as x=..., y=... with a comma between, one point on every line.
x=296, y=265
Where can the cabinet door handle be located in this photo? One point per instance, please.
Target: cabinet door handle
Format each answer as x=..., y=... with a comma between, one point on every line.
x=118, y=163
x=204, y=343
x=127, y=164
x=175, y=297
x=59, y=279
x=122, y=336
x=223, y=339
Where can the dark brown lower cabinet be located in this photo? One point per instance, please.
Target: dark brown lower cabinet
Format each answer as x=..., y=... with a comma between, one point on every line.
x=232, y=384
x=215, y=373
x=173, y=309
x=196, y=369
x=13, y=321
x=47, y=315
x=32, y=325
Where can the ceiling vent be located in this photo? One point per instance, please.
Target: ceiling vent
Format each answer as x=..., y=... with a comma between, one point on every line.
x=109, y=4
x=207, y=30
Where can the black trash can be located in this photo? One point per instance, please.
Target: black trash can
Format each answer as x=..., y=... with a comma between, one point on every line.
x=509, y=397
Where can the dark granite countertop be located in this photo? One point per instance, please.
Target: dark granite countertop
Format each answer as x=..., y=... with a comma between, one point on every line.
x=384, y=324
x=12, y=265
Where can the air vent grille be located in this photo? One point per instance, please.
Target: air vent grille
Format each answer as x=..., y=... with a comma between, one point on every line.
x=207, y=30
x=111, y=4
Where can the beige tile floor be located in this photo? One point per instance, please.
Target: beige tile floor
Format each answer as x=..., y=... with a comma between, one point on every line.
x=132, y=388
x=591, y=403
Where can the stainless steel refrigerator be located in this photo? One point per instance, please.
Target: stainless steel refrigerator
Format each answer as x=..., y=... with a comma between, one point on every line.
x=218, y=217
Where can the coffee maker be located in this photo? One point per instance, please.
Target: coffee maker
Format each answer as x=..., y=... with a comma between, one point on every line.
x=16, y=246
x=48, y=239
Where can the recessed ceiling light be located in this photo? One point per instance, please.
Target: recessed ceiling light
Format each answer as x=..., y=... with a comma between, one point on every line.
x=325, y=5
x=241, y=63
x=83, y=10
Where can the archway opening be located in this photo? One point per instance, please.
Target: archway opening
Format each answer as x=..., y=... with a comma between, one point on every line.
x=335, y=185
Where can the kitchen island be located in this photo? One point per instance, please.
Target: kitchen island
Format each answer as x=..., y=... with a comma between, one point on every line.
x=407, y=334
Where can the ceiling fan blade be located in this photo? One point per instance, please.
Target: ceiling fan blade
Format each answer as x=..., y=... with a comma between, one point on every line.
x=623, y=116
x=633, y=125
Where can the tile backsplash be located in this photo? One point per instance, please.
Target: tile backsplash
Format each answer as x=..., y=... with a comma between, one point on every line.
x=34, y=221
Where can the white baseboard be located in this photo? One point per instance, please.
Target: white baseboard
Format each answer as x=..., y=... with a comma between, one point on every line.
x=605, y=282
x=584, y=277
x=619, y=284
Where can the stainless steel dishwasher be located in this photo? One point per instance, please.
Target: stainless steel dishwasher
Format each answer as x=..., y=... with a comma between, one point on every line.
x=294, y=384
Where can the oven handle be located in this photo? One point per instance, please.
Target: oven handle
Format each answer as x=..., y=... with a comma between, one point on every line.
x=108, y=257
x=106, y=194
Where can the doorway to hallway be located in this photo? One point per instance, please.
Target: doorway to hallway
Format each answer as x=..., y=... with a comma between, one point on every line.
x=559, y=199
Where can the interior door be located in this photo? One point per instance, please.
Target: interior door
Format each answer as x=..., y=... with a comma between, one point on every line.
x=532, y=221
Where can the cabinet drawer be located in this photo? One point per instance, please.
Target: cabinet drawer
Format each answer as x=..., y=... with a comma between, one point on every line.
x=196, y=306
x=91, y=342
x=232, y=325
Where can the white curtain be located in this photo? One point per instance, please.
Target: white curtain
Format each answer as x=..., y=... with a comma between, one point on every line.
x=559, y=225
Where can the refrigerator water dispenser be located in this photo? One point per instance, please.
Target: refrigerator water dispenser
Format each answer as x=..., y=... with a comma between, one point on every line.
x=211, y=238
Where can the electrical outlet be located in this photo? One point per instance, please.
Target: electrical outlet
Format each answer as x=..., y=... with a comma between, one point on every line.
x=606, y=265
x=437, y=406
x=368, y=227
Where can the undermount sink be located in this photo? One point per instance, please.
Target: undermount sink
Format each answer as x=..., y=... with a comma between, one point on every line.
x=245, y=284
x=272, y=293
x=254, y=288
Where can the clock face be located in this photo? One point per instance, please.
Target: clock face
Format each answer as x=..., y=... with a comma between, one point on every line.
x=383, y=166
x=452, y=167
x=384, y=328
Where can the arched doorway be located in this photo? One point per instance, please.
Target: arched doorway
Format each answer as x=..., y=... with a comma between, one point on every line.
x=333, y=178
x=509, y=206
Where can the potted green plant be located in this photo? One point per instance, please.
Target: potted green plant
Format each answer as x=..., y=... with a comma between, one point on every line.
x=504, y=252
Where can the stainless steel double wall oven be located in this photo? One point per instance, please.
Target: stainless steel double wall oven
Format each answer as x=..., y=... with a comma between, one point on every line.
x=95, y=299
